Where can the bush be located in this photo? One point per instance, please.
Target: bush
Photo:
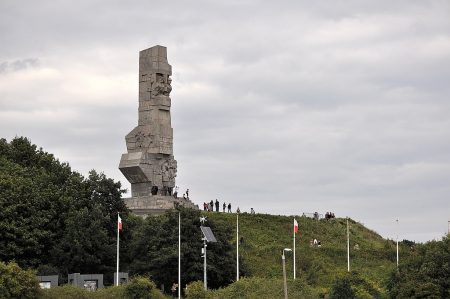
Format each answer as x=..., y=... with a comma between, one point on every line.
x=195, y=290
x=115, y=292
x=73, y=292
x=264, y=288
x=17, y=283
x=140, y=288
x=66, y=292
x=342, y=289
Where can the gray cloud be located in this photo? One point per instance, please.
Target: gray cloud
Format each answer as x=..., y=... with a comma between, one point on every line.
x=286, y=108
x=18, y=65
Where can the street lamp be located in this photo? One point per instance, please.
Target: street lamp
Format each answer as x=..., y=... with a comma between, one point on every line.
x=208, y=236
x=283, y=258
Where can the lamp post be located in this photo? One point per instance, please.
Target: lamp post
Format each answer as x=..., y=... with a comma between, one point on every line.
x=208, y=236
x=283, y=258
x=205, y=282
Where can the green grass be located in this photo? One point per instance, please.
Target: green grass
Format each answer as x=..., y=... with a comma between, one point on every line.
x=264, y=237
x=73, y=292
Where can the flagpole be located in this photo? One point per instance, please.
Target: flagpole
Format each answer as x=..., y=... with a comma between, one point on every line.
x=237, y=246
x=117, y=266
x=348, y=248
x=294, y=250
x=179, y=255
x=397, y=244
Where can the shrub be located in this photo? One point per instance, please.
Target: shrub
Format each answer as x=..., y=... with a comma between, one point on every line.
x=342, y=289
x=17, y=283
x=140, y=288
x=195, y=290
x=263, y=288
x=66, y=292
x=73, y=292
x=115, y=292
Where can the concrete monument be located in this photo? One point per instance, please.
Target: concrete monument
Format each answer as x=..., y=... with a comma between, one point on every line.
x=149, y=165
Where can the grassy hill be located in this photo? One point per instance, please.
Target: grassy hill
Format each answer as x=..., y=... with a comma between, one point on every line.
x=264, y=237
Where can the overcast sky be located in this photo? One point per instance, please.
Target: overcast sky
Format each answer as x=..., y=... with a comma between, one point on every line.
x=286, y=107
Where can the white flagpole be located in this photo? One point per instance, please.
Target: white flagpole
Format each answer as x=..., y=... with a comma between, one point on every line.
x=117, y=266
x=397, y=243
x=294, y=249
x=348, y=248
x=179, y=255
x=237, y=247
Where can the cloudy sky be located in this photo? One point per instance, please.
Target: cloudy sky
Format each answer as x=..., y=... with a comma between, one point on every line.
x=286, y=107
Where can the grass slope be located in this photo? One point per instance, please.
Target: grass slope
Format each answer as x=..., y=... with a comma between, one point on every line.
x=264, y=237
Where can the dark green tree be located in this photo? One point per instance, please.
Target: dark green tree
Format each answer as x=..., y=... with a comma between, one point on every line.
x=52, y=216
x=155, y=247
x=424, y=274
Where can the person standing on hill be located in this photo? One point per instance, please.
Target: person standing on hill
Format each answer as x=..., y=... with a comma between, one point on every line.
x=229, y=207
x=217, y=205
x=224, y=206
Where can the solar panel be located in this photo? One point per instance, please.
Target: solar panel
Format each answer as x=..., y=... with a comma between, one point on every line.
x=207, y=232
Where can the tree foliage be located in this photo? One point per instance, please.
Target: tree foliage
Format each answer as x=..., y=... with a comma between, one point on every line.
x=425, y=274
x=55, y=220
x=155, y=247
x=54, y=216
x=17, y=283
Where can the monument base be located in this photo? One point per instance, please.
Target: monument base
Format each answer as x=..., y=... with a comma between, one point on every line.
x=156, y=204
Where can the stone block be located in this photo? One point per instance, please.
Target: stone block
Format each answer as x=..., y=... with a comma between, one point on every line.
x=48, y=281
x=123, y=278
x=90, y=282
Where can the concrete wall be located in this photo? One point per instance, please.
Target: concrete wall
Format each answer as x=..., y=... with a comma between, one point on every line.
x=47, y=281
x=123, y=278
x=85, y=280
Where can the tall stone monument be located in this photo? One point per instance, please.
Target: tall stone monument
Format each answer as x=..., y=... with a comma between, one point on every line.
x=149, y=165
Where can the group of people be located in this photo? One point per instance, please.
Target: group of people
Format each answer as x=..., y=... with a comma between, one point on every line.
x=317, y=216
x=210, y=206
x=315, y=243
x=329, y=215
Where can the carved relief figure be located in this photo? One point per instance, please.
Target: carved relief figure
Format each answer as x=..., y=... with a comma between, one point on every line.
x=168, y=87
x=168, y=171
x=139, y=139
x=158, y=88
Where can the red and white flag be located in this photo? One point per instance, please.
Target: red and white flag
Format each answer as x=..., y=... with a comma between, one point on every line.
x=119, y=222
x=295, y=226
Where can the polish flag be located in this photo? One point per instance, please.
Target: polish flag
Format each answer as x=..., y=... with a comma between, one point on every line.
x=295, y=226
x=119, y=222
